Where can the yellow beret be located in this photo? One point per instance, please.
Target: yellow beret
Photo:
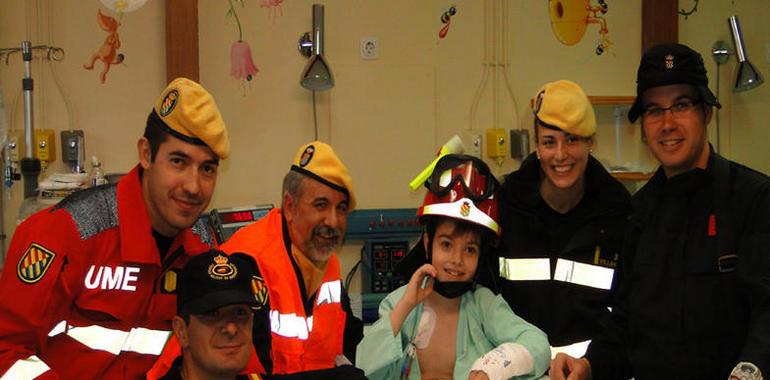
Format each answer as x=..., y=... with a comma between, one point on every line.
x=564, y=105
x=318, y=161
x=191, y=114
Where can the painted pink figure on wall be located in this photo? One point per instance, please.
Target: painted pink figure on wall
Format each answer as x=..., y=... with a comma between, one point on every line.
x=241, y=64
x=274, y=6
x=108, y=52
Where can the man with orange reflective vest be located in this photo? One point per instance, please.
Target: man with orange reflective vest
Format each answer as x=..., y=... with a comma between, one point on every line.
x=88, y=290
x=308, y=330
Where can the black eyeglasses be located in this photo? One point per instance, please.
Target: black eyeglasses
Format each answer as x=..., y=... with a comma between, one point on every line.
x=680, y=108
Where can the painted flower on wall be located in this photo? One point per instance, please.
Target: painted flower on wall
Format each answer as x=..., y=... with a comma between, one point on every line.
x=241, y=64
x=274, y=6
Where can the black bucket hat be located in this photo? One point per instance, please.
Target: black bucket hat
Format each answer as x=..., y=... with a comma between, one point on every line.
x=667, y=64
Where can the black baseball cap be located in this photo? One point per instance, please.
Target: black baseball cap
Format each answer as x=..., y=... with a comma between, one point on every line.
x=212, y=280
x=667, y=64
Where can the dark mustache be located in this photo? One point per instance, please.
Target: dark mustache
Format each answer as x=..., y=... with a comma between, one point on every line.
x=327, y=232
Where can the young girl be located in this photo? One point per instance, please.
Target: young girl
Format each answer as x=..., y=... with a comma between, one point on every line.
x=442, y=324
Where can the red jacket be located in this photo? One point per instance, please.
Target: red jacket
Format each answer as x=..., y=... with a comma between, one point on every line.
x=84, y=290
x=299, y=343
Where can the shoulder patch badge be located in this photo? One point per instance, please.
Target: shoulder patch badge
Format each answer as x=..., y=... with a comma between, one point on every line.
x=34, y=263
x=260, y=291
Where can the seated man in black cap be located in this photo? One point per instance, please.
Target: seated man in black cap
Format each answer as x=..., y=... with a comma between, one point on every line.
x=693, y=300
x=214, y=319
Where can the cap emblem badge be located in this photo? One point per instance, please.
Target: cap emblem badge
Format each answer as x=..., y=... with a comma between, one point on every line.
x=669, y=61
x=538, y=102
x=307, y=155
x=168, y=103
x=221, y=269
x=465, y=209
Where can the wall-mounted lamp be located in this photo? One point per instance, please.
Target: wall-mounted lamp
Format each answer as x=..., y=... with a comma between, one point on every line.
x=746, y=75
x=317, y=75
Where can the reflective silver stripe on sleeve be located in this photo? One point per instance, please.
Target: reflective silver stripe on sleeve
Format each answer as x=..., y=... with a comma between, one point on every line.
x=583, y=274
x=525, y=269
x=139, y=340
x=146, y=341
x=28, y=368
x=576, y=350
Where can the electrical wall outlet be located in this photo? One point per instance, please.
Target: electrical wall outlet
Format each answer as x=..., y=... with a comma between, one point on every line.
x=370, y=48
x=472, y=142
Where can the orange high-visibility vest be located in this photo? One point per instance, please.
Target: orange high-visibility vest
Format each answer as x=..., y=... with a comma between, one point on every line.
x=299, y=343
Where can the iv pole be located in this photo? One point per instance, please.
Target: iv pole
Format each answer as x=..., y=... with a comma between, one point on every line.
x=30, y=165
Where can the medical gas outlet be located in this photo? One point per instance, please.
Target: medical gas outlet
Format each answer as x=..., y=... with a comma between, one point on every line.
x=497, y=145
x=45, y=146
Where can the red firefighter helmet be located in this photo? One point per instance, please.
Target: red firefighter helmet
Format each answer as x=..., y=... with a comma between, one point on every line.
x=462, y=187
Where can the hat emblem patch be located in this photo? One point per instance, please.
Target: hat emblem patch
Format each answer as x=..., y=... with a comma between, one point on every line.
x=222, y=269
x=465, y=209
x=669, y=61
x=169, y=102
x=307, y=155
x=538, y=102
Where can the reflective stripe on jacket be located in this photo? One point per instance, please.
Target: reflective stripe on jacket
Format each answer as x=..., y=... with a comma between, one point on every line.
x=579, y=275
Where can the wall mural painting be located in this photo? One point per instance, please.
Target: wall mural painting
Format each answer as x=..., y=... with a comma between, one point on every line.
x=446, y=19
x=570, y=19
x=107, y=53
x=273, y=7
x=242, y=65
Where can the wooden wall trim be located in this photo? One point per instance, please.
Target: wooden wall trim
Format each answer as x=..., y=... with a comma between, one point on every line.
x=660, y=22
x=182, y=39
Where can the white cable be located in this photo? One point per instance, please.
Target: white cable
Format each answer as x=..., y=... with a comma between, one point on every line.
x=485, y=73
x=506, y=65
x=315, y=117
x=52, y=67
x=495, y=67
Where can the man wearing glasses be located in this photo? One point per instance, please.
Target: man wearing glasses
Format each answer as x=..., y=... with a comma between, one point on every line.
x=694, y=290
